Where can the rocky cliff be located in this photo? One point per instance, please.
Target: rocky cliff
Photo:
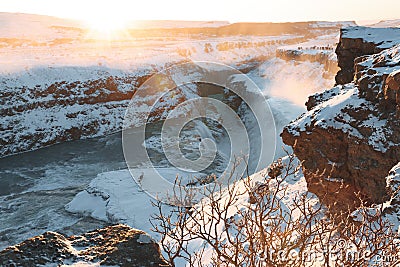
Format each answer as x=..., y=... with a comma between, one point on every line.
x=117, y=245
x=349, y=138
x=360, y=41
x=322, y=55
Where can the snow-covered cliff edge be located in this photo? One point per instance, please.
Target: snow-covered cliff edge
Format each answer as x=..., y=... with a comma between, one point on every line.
x=351, y=132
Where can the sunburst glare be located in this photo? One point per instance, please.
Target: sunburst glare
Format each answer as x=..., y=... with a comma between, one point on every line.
x=107, y=25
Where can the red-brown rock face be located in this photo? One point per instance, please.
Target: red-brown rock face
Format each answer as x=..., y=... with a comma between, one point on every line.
x=351, y=132
x=360, y=41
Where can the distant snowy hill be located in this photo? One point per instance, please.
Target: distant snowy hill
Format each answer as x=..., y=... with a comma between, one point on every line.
x=20, y=25
x=165, y=24
x=40, y=27
x=330, y=24
x=387, y=23
x=37, y=27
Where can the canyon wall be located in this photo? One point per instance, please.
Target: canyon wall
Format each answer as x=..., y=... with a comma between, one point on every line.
x=323, y=56
x=58, y=108
x=349, y=139
x=78, y=103
x=360, y=41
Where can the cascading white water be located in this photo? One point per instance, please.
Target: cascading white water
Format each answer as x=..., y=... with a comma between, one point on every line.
x=203, y=130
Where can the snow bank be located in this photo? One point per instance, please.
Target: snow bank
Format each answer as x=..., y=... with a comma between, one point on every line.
x=115, y=197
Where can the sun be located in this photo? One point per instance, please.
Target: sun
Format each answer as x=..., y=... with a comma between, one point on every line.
x=107, y=26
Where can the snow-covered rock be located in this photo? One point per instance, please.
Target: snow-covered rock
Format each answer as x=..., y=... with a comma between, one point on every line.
x=321, y=49
x=117, y=245
x=392, y=206
x=390, y=209
x=360, y=41
x=351, y=132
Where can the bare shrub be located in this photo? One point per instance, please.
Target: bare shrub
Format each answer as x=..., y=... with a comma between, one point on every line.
x=257, y=223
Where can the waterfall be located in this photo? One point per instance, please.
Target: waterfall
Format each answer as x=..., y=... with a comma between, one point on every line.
x=203, y=130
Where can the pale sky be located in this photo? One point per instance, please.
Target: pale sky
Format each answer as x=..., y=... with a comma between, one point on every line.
x=230, y=10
